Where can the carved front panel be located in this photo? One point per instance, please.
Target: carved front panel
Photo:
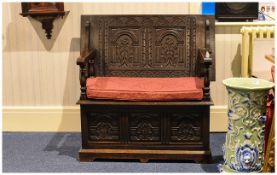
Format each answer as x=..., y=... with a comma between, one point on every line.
x=185, y=127
x=103, y=127
x=147, y=46
x=144, y=127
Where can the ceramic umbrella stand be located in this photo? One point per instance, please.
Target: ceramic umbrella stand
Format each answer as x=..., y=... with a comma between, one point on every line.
x=244, y=146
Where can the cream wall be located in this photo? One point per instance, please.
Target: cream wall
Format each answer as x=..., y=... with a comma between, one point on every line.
x=41, y=72
x=37, y=71
x=40, y=77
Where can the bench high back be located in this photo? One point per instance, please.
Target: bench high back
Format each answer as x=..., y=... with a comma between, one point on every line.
x=148, y=45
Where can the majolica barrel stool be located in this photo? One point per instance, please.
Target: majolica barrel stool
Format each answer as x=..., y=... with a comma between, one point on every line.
x=244, y=146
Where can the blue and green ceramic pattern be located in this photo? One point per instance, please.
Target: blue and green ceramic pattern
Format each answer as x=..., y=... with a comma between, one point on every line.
x=244, y=146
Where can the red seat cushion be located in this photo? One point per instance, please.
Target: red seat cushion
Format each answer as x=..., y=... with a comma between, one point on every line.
x=145, y=89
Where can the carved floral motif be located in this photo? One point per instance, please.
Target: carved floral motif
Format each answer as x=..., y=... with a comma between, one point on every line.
x=185, y=127
x=186, y=132
x=103, y=127
x=145, y=127
x=144, y=131
x=103, y=130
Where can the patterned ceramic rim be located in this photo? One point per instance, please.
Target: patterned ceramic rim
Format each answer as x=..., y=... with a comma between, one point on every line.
x=248, y=83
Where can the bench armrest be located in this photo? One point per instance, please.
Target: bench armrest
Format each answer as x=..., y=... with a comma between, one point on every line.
x=204, y=58
x=84, y=58
x=86, y=63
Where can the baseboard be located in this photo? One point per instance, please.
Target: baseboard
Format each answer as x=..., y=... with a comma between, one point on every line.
x=67, y=119
x=41, y=119
x=219, y=119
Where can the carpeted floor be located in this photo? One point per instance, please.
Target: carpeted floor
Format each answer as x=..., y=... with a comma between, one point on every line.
x=57, y=152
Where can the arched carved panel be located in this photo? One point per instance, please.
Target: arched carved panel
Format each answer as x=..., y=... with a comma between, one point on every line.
x=124, y=49
x=169, y=49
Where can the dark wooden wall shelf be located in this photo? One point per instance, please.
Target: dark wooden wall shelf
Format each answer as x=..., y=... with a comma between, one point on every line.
x=44, y=12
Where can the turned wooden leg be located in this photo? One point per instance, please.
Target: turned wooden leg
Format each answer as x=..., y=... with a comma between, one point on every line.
x=143, y=160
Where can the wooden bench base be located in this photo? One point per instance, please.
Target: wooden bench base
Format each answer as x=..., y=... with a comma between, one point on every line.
x=144, y=131
x=89, y=155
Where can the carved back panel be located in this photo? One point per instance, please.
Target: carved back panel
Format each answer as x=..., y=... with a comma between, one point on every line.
x=147, y=45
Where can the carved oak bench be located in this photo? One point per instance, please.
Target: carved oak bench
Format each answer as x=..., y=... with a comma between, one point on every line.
x=145, y=86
